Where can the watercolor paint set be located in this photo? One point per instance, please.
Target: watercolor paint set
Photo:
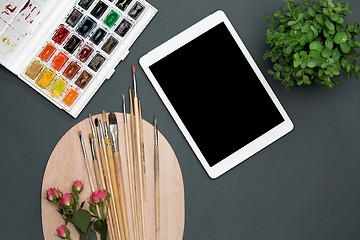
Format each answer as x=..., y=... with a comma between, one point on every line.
x=66, y=49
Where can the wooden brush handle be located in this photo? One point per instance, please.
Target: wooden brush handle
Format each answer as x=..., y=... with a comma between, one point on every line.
x=131, y=179
x=115, y=191
x=157, y=192
x=99, y=182
x=120, y=184
x=140, y=164
x=108, y=185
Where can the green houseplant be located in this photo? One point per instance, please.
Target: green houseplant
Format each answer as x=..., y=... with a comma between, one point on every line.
x=312, y=43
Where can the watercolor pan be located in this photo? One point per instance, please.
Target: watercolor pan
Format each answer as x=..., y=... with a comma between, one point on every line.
x=60, y=34
x=58, y=87
x=73, y=43
x=97, y=61
x=85, y=4
x=98, y=36
x=74, y=18
x=71, y=70
x=45, y=78
x=123, y=4
x=59, y=60
x=111, y=18
x=47, y=52
x=84, y=79
x=110, y=45
x=70, y=97
x=85, y=53
x=86, y=26
x=136, y=10
x=99, y=9
x=34, y=69
x=77, y=47
x=123, y=28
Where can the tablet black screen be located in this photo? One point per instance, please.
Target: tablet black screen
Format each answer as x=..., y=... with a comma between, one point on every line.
x=216, y=94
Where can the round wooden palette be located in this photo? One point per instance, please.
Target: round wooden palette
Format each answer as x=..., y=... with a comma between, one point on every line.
x=66, y=165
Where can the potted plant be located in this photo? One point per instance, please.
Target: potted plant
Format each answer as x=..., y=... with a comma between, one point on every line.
x=312, y=43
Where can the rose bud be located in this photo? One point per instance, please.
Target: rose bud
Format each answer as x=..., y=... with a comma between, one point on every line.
x=66, y=200
x=98, y=196
x=77, y=187
x=63, y=232
x=52, y=195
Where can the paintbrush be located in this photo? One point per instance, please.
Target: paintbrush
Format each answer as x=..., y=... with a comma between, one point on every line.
x=142, y=151
x=106, y=177
x=138, y=151
x=136, y=172
x=113, y=126
x=100, y=180
x=156, y=179
x=86, y=162
x=112, y=172
x=130, y=169
x=95, y=163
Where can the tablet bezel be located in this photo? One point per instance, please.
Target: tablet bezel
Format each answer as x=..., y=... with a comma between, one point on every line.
x=182, y=39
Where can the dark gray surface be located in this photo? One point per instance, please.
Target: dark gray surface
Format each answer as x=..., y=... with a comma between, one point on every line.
x=304, y=186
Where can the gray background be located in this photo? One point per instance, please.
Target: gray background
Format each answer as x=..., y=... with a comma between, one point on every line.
x=304, y=186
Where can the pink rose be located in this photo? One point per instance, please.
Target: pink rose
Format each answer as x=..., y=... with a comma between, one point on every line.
x=63, y=232
x=52, y=194
x=66, y=200
x=77, y=187
x=98, y=196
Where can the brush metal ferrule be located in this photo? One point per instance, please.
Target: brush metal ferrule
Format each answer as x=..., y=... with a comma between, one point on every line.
x=82, y=145
x=156, y=132
x=92, y=149
x=115, y=136
x=99, y=135
x=92, y=126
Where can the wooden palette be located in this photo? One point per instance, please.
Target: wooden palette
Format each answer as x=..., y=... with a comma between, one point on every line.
x=66, y=165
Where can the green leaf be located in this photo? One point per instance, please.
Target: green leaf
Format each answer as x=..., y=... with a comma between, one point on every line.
x=319, y=19
x=329, y=43
x=340, y=21
x=312, y=63
x=335, y=17
x=303, y=40
x=345, y=48
x=315, y=45
x=97, y=226
x=340, y=37
x=336, y=54
x=311, y=12
x=306, y=80
x=81, y=220
x=266, y=17
x=288, y=50
x=299, y=73
x=291, y=23
x=326, y=53
x=330, y=25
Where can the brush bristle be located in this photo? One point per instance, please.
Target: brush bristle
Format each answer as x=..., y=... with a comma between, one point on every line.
x=96, y=122
x=133, y=68
x=79, y=132
x=112, y=118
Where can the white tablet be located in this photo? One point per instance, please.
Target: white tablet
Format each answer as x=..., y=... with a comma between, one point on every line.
x=216, y=94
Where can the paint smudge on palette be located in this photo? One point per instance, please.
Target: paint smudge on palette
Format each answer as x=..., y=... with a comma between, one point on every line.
x=9, y=39
x=28, y=18
x=10, y=8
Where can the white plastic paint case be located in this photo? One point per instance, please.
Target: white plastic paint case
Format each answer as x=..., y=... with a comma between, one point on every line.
x=35, y=36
